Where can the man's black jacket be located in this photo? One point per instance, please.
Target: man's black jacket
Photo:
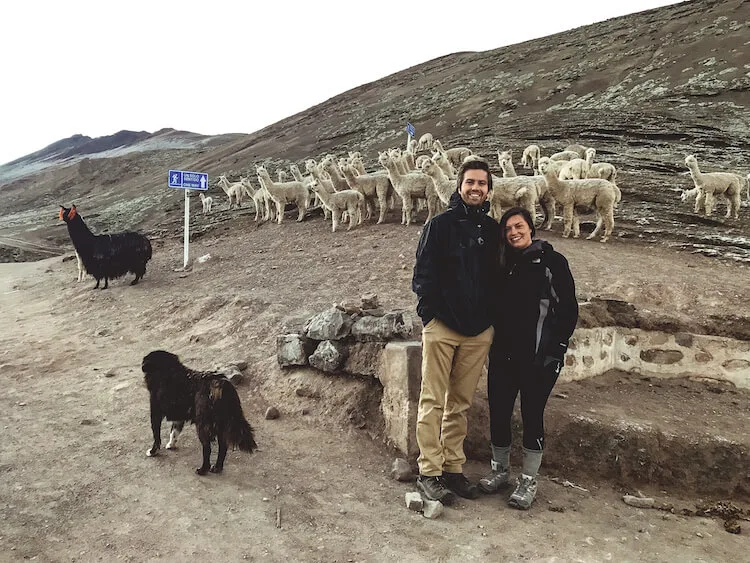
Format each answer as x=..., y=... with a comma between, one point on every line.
x=456, y=272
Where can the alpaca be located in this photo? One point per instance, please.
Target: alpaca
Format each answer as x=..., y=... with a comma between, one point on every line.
x=324, y=184
x=107, y=256
x=530, y=157
x=337, y=179
x=234, y=191
x=574, y=169
x=419, y=161
x=580, y=150
x=371, y=186
x=425, y=142
x=409, y=187
x=259, y=199
x=207, y=202
x=455, y=155
x=713, y=184
x=444, y=186
x=282, y=193
x=591, y=193
x=357, y=164
x=518, y=191
x=281, y=176
x=442, y=161
x=565, y=155
x=505, y=159
x=350, y=201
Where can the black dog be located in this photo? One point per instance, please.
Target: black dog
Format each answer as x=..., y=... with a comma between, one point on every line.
x=207, y=399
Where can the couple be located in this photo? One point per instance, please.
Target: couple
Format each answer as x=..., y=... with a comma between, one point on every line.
x=484, y=288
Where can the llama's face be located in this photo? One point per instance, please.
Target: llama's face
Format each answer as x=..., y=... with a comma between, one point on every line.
x=504, y=158
x=544, y=164
x=690, y=160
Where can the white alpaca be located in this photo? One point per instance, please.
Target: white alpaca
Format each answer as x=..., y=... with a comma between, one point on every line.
x=603, y=170
x=260, y=199
x=410, y=187
x=517, y=191
x=444, y=186
x=580, y=150
x=350, y=201
x=419, y=161
x=590, y=193
x=337, y=179
x=234, y=191
x=322, y=182
x=207, y=202
x=425, y=142
x=281, y=176
x=712, y=184
x=565, y=155
x=442, y=161
x=372, y=187
x=357, y=164
x=282, y=193
x=530, y=157
x=505, y=159
x=455, y=155
x=574, y=169
x=536, y=184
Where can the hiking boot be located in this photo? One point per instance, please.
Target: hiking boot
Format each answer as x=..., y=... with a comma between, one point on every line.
x=459, y=484
x=434, y=489
x=495, y=481
x=525, y=492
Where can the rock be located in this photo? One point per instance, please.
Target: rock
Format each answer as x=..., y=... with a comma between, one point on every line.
x=432, y=509
x=306, y=392
x=414, y=501
x=376, y=312
x=293, y=349
x=349, y=308
x=272, y=413
x=401, y=470
x=391, y=326
x=370, y=301
x=234, y=375
x=329, y=356
x=332, y=324
x=638, y=502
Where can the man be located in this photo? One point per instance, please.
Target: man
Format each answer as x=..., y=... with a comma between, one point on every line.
x=454, y=279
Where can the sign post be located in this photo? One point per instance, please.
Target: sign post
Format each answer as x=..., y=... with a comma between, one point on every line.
x=187, y=181
x=410, y=131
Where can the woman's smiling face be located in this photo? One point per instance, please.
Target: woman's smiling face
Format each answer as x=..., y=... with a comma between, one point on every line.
x=518, y=232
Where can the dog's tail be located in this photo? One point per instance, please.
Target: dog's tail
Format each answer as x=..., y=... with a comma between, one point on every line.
x=240, y=433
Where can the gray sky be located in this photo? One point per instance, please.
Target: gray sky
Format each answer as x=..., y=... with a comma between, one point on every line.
x=97, y=67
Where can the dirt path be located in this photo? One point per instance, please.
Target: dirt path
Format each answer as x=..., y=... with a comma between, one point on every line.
x=74, y=414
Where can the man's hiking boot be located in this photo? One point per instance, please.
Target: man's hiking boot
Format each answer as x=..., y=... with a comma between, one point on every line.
x=525, y=492
x=495, y=481
x=459, y=484
x=434, y=489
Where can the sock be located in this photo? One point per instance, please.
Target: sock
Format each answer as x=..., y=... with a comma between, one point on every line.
x=532, y=460
x=500, y=458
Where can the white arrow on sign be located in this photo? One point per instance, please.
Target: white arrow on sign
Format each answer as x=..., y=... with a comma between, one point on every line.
x=203, y=182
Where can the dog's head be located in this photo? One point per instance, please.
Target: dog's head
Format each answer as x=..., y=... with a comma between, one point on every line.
x=158, y=365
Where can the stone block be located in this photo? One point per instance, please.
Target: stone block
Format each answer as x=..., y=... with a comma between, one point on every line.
x=364, y=358
x=401, y=377
x=394, y=325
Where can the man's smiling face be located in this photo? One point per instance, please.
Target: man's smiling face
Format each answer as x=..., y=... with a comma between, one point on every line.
x=474, y=187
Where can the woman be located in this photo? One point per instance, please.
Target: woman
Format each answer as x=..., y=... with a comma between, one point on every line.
x=537, y=314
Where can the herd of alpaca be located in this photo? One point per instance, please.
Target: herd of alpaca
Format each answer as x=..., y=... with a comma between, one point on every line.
x=570, y=179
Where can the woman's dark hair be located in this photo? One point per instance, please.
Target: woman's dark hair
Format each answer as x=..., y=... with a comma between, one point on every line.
x=474, y=164
x=504, y=246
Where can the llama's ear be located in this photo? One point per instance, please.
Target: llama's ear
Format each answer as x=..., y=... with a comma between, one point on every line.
x=62, y=210
x=72, y=212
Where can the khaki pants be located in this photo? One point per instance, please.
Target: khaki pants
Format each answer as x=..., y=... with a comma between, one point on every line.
x=451, y=367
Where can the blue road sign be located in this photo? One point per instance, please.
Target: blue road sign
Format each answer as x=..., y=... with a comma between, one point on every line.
x=188, y=180
x=410, y=129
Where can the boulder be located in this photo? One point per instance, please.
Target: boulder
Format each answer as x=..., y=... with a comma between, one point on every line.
x=391, y=326
x=293, y=349
x=332, y=324
x=329, y=356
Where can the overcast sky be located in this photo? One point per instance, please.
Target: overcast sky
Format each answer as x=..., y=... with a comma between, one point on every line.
x=97, y=67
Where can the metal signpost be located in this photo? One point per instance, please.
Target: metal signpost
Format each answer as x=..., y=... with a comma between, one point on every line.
x=187, y=181
x=410, y=132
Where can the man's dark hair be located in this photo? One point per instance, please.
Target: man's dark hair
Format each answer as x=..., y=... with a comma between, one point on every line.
x=504, y=246
x=473, y=165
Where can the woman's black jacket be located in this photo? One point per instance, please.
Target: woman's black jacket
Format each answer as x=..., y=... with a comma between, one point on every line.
x=537, y=307
x=456, y=272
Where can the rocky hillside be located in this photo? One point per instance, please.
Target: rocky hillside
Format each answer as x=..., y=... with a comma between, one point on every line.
x=645, y=90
